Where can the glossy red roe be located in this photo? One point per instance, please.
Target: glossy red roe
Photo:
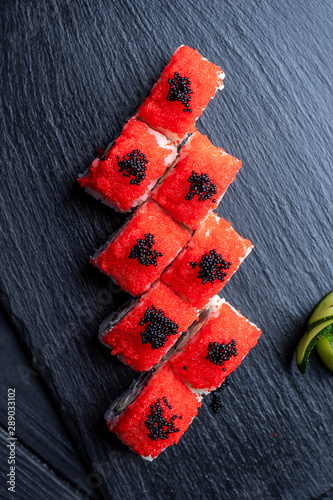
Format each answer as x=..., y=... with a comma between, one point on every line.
x=142, y=249
x=176, y=117
x=224, y=325
x=135, y=427
x=195, y=186
x=142, y=344
x=214, y=240
x=131, y=168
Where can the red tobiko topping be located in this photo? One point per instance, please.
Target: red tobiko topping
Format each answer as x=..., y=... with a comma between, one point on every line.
x=182, y=93
x=165, y=403
x=130, y=168
x=216, y=350
x=142, y=249
x=148, y=330
x=198, y=181
x=213, y=254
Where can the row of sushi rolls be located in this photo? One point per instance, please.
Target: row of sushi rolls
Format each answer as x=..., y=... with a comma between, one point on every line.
x=173, y=256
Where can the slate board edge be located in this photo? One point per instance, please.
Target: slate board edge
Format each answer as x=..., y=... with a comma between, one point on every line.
x=48, y=384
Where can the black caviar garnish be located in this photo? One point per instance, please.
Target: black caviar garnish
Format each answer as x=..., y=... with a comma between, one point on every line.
x=133, y=164
x=180, y=90
x=219, y=353
x=217, y=401
x=158, y=327
x=159, y=427
x=202, y=186
x=212, y=267
x=167, y=403
x=225, y=383
x=142, y=251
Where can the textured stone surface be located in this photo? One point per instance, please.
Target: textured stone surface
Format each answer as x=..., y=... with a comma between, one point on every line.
x=34, y=481
x=38, y=426
x=71, y=76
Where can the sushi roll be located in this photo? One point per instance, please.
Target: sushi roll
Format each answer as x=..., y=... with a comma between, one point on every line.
x=211, y=257
x=143, y=333
x=136, y=256
x=181, y=94
x=216, y=349
x=154, y=413
x=195, y=186
x=126, y=173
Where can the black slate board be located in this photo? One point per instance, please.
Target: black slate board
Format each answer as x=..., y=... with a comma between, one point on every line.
x=71, y=76
x=35, y=481
x=39, y=431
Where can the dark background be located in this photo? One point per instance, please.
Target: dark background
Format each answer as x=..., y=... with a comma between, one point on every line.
x=72, y=73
